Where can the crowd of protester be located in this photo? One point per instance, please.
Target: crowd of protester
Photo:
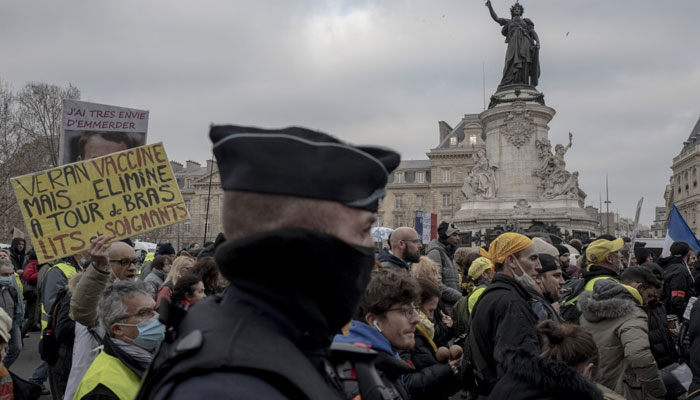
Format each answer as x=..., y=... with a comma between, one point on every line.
x=535, y=320
x=291, y=301
x=85, y=302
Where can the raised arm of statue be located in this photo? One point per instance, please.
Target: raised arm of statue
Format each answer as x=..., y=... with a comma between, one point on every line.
x=571, y=136
x=501, y=21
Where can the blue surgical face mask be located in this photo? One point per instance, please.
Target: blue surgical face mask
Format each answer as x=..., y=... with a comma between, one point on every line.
x=6, y=280
x=151, y=333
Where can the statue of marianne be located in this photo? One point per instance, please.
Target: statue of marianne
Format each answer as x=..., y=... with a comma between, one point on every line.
x=522, y=64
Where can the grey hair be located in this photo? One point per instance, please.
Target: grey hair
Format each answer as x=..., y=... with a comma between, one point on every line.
x=111, y=308
x=7, y=263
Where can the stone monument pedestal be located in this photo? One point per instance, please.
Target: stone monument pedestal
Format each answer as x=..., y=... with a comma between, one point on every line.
x=519, y=179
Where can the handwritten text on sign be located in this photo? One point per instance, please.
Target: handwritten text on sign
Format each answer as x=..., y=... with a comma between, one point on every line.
x=121, y=194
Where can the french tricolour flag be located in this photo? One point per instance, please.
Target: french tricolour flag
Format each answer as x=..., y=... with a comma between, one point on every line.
x=678, y=231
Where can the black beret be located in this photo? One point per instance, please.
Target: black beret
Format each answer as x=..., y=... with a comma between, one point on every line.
x=549, y=263
x=303, y=163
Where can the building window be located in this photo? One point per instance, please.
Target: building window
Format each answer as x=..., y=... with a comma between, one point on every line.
x=188, y=183
x=472, y=139
x=398, y=177
x=446, y=175
x=420, y=177
x=380, y=220
x=398, y=220
x=399, y=199
x=187, y=227
x=453, y=141
x=446, y=200
x=420, y=200
x=187, y=204
x=206, y=205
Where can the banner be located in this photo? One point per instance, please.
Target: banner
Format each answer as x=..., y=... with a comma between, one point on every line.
x=635, y=229
x=121, y=194
x=91, y=129
x=426, y=226
x=678, y=231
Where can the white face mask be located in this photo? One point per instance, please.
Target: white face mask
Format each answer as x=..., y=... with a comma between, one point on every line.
x=525, y=280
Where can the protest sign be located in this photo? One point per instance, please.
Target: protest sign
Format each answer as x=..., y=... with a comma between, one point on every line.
x=91, y=129
x=121, y=194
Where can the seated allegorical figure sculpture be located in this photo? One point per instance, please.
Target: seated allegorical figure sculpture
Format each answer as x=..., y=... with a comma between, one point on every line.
x=481, y=181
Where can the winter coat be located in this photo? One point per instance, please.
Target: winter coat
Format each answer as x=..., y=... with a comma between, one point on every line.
x=155, y=279
x=501, y=320
x=662, y=345
x=164, y=293
x=443, y=333
x=694, y=353
x=31, y=272
x=678, y=285
x=389, y=260
x=543, y=308
x=18, y=258
x=64, y=330
x=613, y=314
x=432, y=380
x=388, y=363
x=450, y=291
x=528, y=377
x=83, y=303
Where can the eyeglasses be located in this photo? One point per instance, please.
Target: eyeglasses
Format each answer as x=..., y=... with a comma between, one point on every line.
x=145, y=313
x=125, y=262
x=407, y=312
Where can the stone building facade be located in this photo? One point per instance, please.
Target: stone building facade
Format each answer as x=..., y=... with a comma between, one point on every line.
x=433, y=185
x=685, y=193
x=200, y=186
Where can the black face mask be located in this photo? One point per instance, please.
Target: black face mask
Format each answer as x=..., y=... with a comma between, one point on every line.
x=312, y=277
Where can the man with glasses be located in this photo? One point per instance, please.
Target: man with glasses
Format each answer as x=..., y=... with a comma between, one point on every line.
x=405, y=249
x=386, y=322
x=126, y=312
x=111, y=262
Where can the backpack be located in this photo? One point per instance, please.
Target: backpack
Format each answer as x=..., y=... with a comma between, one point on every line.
x=568, y=311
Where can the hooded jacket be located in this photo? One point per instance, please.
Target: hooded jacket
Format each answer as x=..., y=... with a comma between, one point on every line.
x=528, y=377
x=389, y=260
x=390, y=366
x=679, y=285
x=441, y=254
x=17, y=257
x=501, y=320
x=613, y=314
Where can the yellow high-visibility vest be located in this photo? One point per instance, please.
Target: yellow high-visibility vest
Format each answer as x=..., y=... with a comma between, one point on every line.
x=68, y=271
x=113, y=374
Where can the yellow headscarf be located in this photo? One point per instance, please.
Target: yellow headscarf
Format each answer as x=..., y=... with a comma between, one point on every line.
x=506, y=243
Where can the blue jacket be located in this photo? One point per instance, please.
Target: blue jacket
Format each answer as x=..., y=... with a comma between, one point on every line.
x=365, y=334
x=389, y=364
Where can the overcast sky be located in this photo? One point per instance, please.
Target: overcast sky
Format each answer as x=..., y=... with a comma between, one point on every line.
x=623, y=75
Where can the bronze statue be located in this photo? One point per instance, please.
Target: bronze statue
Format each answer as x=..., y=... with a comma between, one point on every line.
x=522, y=64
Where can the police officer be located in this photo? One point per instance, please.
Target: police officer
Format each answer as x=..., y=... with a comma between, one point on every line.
x=297, y=212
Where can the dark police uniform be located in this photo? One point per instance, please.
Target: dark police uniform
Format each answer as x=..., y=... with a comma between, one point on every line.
x=292, y=289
